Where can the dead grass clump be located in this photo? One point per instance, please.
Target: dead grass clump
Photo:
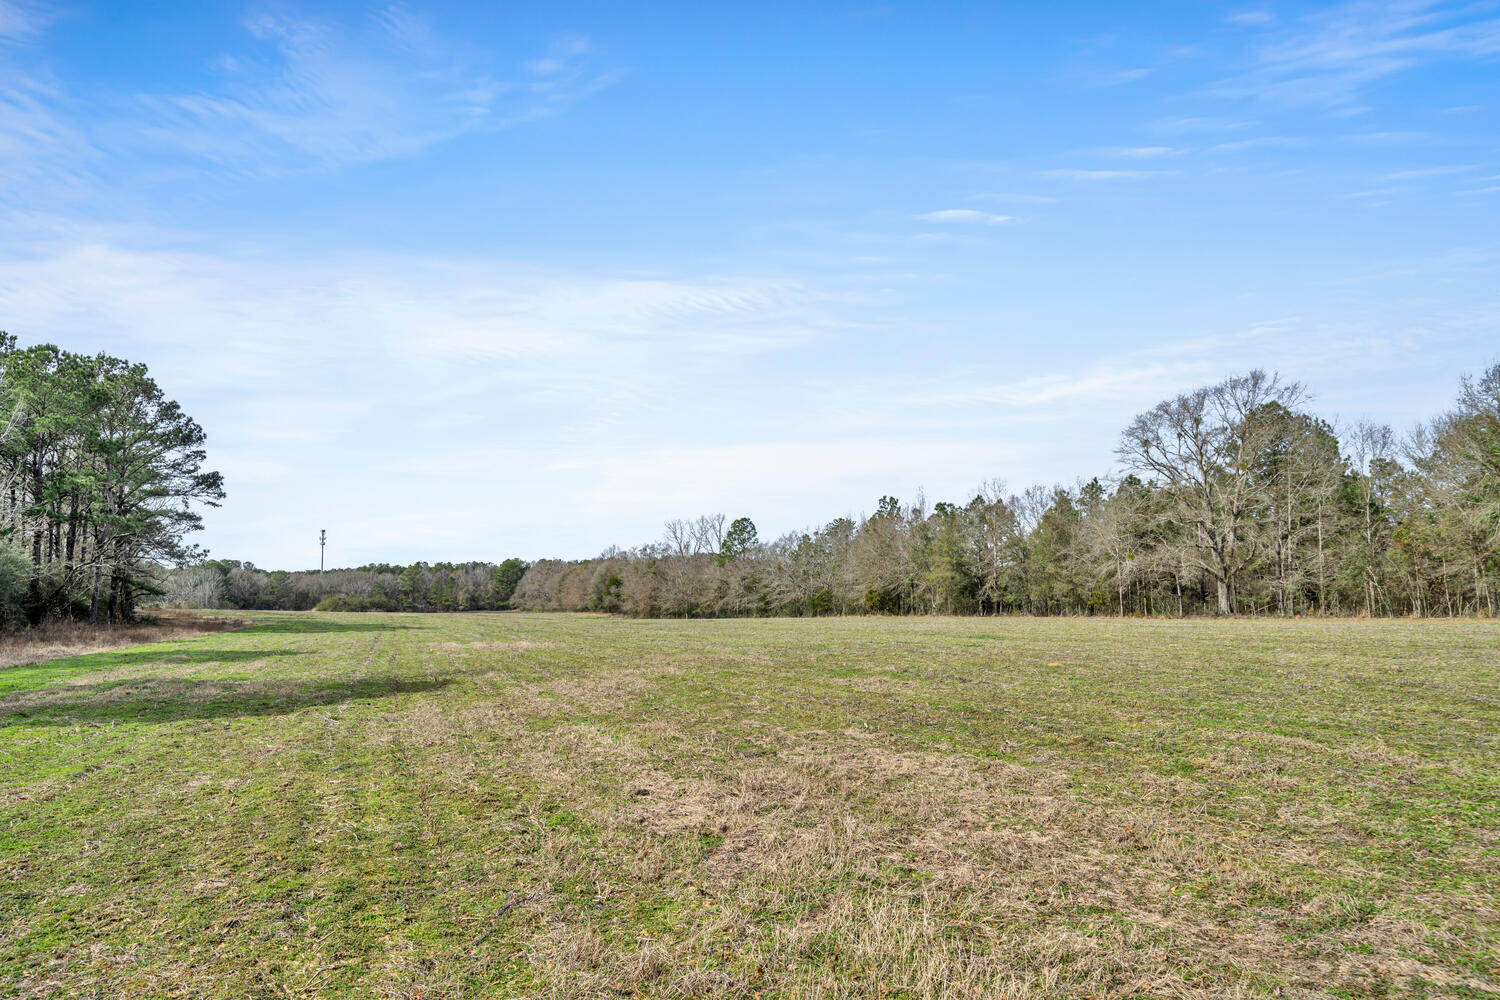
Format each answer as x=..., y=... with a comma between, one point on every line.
x=589, y=692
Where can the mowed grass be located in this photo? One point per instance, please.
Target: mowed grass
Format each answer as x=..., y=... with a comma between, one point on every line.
x=571, y=806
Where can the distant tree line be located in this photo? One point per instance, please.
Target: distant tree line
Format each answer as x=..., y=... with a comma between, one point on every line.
x=101, y=480
x=225, y=583
x=1230, y=499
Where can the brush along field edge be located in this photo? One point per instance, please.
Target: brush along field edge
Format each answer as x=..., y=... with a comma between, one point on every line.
x=576, y=806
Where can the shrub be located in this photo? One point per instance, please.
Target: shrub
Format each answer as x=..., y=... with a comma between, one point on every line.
x=343, y=602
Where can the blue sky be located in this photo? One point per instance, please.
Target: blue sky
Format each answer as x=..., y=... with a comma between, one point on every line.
x=531, y=279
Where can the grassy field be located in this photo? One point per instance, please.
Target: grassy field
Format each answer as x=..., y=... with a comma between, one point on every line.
x=571, y=806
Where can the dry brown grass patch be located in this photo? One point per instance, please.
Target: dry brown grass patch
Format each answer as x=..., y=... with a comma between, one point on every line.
x=516, y=645
x=54, y=640
x=1008, y=853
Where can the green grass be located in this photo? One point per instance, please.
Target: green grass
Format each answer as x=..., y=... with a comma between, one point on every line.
x=572, y=806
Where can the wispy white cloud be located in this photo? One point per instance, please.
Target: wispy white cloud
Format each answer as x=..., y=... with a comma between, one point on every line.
x=946, y=237
x=1134, y=73
x=1421, y=173
x=965, y=215
x=1259, y=142
x=1375, y=197
x=425, y=311
x=34, y=131
x=22, y=21
x=1016, y=198
x=1389, y=137
x=1252, y=18
x=1184, y=124
x=1142, y=152
x=1124, y=382
x=305, y=95
x=1332, y=55
x=408, y=29
x=322, y=102
x=562, y=55
x=1070, y=174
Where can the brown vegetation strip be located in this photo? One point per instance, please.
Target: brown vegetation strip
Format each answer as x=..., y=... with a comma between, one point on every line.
x=54, y=640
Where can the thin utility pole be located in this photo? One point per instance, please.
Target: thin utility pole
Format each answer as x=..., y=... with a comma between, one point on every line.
x=322, y=546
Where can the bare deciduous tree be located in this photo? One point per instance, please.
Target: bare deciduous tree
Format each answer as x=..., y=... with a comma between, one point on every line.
x=1202, y=446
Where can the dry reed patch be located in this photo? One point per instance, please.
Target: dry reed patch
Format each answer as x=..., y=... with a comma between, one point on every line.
x=58, y=639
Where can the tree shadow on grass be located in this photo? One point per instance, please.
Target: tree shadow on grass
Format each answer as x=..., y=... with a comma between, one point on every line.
x=156, y=700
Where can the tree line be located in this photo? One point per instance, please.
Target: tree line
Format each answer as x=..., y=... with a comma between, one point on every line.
x=227, y=583
x=101, y=480
x=1233, y=498
x=1230, y=499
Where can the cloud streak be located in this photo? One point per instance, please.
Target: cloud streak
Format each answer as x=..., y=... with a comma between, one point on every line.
x=965, y=215
x=21, y=21
x=401, y=310
x=1073, y=174
x=319, y=102
x=304, y=96
x=1332, y=56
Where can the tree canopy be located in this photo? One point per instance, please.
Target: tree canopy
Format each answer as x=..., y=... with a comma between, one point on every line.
x=102, y=479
